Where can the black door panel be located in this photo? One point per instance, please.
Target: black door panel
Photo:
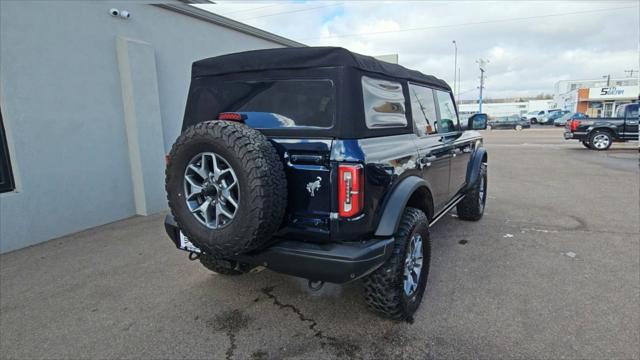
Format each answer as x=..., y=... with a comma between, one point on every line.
x=435, y=155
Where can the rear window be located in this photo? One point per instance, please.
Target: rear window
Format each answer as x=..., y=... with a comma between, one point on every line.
x=270, y=103
x=383, y=103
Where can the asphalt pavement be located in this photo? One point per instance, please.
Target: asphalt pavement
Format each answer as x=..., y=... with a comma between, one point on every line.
x=551, y=271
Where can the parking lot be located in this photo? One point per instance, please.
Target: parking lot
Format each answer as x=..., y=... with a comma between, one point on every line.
x=551, y=271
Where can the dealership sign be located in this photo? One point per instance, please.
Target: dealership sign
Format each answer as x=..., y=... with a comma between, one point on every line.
x=612, y=93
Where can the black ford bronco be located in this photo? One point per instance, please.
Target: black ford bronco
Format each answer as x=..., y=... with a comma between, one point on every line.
x=323, y=164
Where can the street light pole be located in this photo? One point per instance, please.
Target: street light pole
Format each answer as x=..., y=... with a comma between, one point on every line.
x=458, y=91
x=455, y=67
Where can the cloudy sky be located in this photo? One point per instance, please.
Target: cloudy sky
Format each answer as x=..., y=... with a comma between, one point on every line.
x=529, y=45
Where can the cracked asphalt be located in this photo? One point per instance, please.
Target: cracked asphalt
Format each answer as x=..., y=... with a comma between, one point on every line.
x=551, y=271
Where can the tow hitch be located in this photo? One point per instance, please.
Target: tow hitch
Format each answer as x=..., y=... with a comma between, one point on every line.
x=315, y=285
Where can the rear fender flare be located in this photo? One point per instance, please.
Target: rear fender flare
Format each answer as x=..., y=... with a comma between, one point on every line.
x=473, y=168
x=610, y=129
x=395, y=205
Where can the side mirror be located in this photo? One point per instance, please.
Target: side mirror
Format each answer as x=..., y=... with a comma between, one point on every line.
x=477, y=122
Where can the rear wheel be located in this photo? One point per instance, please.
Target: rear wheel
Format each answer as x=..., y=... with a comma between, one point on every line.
x=585, y=144
x=396, y=288
x=472, y=206
x=600, y=140
x=518, y=127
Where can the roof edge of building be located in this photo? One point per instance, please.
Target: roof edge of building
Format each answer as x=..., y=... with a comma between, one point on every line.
x=210, y=17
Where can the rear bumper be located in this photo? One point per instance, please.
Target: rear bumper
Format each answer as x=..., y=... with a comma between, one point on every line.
x=331, y=262
x=575, y=136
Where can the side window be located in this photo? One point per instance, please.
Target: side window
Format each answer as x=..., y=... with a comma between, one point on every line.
x=383, y=103
x=448, y=120
x=423, y=109
x=6, y=176
x=633, y=112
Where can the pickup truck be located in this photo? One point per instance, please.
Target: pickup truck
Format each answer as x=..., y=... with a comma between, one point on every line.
x=600, y=133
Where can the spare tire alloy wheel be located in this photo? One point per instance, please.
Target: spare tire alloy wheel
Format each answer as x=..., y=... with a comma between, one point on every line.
x=226, y=187
x=211, y=190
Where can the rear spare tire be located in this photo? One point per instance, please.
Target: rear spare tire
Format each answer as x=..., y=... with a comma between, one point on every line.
x=226, y=187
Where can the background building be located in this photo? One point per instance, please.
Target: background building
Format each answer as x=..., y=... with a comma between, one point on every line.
x=505, y=108
x=91, y=102
x=594, y=97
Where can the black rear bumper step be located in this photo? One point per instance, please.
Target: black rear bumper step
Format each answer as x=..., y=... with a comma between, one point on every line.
x=332, y=262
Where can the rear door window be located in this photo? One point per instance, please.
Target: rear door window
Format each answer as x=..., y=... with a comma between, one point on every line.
x=423, y=109
x=448, y=119
x=383, y=103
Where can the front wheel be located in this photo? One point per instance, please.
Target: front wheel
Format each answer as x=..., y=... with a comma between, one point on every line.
x=586, y=144
x=472, y=206
x=518, y=127
x=396, y=288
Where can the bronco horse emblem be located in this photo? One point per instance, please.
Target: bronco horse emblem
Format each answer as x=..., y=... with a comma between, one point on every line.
x=314, y=186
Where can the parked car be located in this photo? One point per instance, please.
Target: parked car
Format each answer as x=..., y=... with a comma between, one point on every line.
x=533, y=116
x=508, y=122
x=562, y=120
x=322, y=164
x=550, y=117
x=539, y=116
x=600, y=133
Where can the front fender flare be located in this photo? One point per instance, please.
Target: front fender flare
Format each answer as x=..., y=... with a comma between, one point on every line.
x=473, y=168
x=394, y=206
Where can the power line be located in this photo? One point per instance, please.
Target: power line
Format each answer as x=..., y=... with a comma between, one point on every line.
x=630, y=72
x=251, y=9
x=289, y=12
x=464, y=24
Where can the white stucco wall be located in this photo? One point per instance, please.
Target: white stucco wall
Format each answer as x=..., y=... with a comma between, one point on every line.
x=61, y=96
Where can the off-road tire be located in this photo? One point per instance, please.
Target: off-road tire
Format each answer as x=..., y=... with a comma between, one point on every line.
x=472, y=206
x=261, y=181
x=223, y=267
x=383, y=289
x=592, y=140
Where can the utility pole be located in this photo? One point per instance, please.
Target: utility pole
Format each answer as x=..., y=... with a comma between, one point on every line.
x=455, y=67
x=608, y=77
x=630, y=72
x=481, y=64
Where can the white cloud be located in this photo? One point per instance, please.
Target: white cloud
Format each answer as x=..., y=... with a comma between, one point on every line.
x=527, y=56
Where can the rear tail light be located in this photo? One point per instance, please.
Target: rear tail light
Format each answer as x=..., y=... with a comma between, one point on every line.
x=231, y=116
x=574, y=124
x=350, y=189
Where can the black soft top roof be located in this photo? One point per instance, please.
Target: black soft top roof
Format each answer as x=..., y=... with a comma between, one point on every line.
x=306, y=57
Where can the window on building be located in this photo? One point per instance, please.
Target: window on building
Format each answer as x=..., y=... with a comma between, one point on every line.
x=6, y=176
x=383, y=103
x=423, y=109
x=448, y=120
